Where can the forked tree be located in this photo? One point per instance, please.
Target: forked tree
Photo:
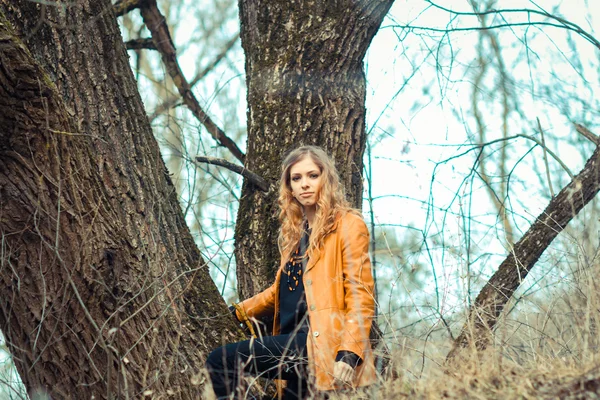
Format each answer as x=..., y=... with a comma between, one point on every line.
x=103, y=292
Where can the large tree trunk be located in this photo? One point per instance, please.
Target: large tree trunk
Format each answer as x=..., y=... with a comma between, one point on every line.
x=103, y=292
x=306, y=85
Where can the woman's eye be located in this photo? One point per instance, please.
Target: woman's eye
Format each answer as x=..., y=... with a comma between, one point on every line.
x=314, y=176
x=296, y=178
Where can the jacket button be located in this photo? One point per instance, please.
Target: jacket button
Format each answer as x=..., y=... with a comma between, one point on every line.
x=315, y=334
x=309, y=282
x=312, y=307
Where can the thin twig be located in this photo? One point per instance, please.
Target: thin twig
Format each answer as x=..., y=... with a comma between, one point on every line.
x=528, y=11
x=156, y=24
x=497, y=26
x=552, y=154
x=256, y=179
x=374, y=265
x=545, y=157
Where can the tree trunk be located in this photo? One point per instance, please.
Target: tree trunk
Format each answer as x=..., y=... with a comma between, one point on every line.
x=306, y=85
x=103, y=293
x=490, y=302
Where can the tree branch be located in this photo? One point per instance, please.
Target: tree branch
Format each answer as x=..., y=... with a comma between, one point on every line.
x=545, y=157
x=490, y=302
x=170, y=102
x=138, y=44
x=256, y=179
x=563, y=23
x=587, y=134
x=122, y=7
x=155, y=22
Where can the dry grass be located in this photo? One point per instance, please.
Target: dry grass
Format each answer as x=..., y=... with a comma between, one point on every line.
x=546, y=349
x=490, y=377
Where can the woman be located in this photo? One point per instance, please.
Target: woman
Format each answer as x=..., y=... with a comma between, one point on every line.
x=322, y=299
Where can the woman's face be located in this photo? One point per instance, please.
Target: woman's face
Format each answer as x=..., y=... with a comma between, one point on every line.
x=305, y=181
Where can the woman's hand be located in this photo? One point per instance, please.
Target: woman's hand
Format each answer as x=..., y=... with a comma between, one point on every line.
x=343, y=373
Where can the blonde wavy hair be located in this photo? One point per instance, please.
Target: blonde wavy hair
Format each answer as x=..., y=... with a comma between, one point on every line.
x=331, y=203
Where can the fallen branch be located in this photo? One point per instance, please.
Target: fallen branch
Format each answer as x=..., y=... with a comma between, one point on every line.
x=490, y=302
x=138, y=44
x=155, y=22
x=257, y=180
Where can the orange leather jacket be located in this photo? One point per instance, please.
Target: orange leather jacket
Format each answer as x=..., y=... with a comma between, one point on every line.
x=340, y=302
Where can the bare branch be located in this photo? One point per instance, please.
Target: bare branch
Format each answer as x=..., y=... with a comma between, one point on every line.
x=559, y=22
x=552, y=154
x=522, y=135
x=138, y=44
x=588, y=37
x=155, y=22
x=256, y=179
x=122, y=7
x=216, y=61
x=170, y=102
x=496, y=293
x=563, y=23
x=587, y=134
x=545, y=157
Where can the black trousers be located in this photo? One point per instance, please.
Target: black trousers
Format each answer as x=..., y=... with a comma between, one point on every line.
x=273, y=357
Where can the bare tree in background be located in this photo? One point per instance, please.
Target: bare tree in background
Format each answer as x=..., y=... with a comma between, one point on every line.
x=563, y=207
x=519, y=99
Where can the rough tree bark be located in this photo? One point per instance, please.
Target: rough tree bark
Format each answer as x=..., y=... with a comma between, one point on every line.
x=103, y=293
x=306, y=85
x=490, y=302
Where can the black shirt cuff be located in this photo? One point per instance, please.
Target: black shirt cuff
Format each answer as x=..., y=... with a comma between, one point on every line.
x=349, y=358
x=232, y=311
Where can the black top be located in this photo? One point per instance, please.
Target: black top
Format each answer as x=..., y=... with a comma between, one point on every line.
x=292, y=299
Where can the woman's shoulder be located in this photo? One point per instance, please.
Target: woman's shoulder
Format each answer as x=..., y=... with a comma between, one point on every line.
x=350, y=217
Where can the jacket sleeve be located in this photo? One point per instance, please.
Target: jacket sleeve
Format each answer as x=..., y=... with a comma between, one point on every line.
x=258, y=306
x=359, y=299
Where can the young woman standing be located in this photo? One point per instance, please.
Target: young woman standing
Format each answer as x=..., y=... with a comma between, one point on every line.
x=322, y=299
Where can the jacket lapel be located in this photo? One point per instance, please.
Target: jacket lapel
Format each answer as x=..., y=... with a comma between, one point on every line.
x=313, y=260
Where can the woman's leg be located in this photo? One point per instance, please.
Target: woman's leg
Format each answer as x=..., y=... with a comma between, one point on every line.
x=276, y=357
